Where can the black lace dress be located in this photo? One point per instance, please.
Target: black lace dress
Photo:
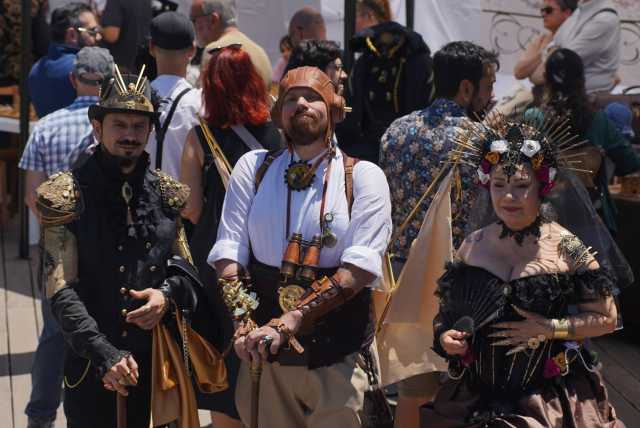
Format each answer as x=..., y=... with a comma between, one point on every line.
x=556, y=385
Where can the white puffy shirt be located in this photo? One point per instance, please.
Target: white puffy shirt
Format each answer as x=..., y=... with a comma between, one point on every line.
x=257, y=222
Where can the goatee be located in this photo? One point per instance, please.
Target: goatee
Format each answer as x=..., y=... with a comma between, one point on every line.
x=304, y=130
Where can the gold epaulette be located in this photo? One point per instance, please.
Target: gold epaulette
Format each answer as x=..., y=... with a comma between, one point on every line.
x=174, y=194
x=59, y=200
x=573, y=250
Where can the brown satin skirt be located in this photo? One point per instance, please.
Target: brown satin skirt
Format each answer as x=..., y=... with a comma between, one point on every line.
x=578, y=400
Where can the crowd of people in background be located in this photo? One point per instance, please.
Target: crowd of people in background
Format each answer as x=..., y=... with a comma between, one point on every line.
x=406, y=104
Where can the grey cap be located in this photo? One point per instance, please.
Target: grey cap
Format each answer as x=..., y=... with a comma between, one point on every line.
x=93, y=60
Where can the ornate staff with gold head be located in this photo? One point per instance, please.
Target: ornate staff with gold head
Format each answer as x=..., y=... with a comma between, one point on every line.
x=241, y=303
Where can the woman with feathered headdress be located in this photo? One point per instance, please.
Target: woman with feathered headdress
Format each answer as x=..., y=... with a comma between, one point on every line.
x=527, y=288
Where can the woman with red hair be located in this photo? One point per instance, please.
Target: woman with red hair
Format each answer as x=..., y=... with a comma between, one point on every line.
x=236, y=112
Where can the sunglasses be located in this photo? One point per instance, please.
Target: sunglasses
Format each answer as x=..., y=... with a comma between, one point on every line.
x=93, y=32
x=193, y=18
x=217, y=49
x=90, y=82
x=548, y=10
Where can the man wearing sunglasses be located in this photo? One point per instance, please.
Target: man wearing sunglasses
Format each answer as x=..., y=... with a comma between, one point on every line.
x=531, y=64
x=73, y=26
x=593, y=32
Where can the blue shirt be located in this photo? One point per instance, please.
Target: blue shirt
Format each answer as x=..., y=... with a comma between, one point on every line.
x=412, y=151
x=49, y=85
x=56, y=135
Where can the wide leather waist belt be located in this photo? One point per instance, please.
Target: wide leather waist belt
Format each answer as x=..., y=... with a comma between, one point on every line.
x=267, y=285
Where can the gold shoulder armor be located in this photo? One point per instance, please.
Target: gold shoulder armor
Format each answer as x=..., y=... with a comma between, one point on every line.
x=174, y=194
x=573, y=250
x=59, y=200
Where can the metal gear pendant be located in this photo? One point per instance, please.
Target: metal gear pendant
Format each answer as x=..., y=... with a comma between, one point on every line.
x=299, y=176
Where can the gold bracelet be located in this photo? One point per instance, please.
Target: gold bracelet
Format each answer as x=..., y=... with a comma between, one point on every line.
x=560, y=328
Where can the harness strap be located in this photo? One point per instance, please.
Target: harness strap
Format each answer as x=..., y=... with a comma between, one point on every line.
x=162, y=130
x=348, y=161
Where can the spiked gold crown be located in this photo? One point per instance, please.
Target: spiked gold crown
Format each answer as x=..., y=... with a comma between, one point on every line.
x=124, y=94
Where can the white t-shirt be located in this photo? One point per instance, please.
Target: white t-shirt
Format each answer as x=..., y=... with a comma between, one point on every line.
x=184, y=118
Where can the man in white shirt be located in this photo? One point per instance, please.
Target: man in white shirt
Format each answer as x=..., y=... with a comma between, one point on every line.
x=172, y=45
x=330, y=204
x=593, y=32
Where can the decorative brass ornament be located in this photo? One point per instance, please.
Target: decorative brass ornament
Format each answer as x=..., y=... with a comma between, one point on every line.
x=299, y=176
x=328, y=239
x=289, y=296
x=127, y=192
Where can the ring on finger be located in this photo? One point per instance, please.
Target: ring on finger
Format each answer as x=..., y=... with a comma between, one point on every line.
x=122, y=382
x=266, y=341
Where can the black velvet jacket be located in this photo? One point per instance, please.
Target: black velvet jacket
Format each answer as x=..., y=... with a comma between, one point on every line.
x=114, y=258
x=392, y=81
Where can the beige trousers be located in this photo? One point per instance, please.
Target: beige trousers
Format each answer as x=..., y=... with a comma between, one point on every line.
x=296, y=397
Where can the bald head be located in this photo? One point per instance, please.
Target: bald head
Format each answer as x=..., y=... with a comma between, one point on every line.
x=307, y=23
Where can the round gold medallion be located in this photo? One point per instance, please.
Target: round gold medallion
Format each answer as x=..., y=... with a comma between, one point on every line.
x=289, y=296
x=298, y=176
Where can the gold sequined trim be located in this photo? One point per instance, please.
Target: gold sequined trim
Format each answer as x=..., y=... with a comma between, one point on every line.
x=573, y=249
x=174, y=194
x=58, y=199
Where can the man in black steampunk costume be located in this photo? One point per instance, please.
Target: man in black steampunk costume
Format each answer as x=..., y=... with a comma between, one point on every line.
x=111, y=236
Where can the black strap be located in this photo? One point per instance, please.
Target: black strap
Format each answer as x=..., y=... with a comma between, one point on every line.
x=206, y=149
x=162, y=131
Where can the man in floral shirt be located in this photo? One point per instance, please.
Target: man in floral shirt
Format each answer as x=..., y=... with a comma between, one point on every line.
x=412, y=152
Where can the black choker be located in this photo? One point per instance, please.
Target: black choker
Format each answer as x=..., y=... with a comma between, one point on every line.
x=518, y=235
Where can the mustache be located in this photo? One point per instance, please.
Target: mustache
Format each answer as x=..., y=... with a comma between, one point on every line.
x=303, y=112
x=130, y=143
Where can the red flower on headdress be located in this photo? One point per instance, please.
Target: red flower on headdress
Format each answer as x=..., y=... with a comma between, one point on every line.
x=544, y=177
x=547, y=188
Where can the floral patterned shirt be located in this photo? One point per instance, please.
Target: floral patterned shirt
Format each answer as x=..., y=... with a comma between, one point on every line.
x=412, y=152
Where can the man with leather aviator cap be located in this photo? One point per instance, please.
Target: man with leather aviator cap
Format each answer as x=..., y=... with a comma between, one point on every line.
x=112, y=247
x=313, y=246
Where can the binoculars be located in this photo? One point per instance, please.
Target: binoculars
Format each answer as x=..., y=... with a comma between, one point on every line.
x=301, y=259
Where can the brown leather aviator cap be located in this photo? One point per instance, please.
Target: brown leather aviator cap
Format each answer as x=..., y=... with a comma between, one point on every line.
x=315, y=79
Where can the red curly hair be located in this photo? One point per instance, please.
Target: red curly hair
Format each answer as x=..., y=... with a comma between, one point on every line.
x=233, y=92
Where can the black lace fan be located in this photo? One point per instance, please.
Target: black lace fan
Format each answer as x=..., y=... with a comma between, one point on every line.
x=468, y=306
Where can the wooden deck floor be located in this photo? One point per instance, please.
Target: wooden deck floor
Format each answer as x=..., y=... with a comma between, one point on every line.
x=21, y=321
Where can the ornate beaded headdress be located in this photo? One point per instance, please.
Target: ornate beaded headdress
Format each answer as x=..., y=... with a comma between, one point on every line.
x=545, y=144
